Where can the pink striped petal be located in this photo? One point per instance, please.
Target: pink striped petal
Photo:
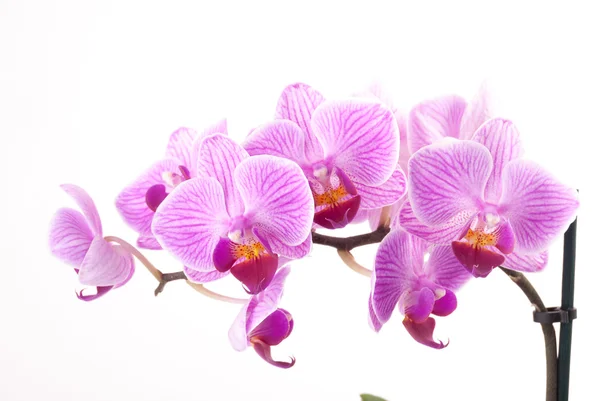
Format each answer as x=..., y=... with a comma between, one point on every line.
x=526, y=263
x=87, y=206
x=433, y=120
x=538, y=207
x=131, y=202
x=191, y=220
x=218, y=128
x=70, y=236
x=282, y=138
x=405, y=153
x=199, y=277
x=291, y=252
x=398, y=257
x=360, y=137
x=179, y=147
x=374, y=321
x=278, y=200
x=423, y=332
x=218, y=157
x=105, y=264
x=502, y=139
x=297, y=103
x=148, y=242
x=477, y=112
x=417, y=305
x=444, y=269
x=452, y=230
x=448, y=178
x=373, y=197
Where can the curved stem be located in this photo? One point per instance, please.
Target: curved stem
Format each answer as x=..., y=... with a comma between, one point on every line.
x=135, y=252
x=214, y=295
x=349, y=260
x=349, y=243
x=547, y=329
x=167, y=277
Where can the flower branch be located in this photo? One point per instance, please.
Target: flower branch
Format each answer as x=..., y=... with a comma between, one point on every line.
x=349, y=243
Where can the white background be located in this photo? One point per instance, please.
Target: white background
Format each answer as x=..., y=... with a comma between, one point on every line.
x=89, y=92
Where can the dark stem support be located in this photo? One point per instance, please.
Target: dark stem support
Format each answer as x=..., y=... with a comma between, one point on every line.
x=349, y=243
x=547, y=329
x=166, y=277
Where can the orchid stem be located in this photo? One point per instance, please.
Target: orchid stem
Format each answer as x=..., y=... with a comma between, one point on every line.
x=547, y=328
x=349, y=260
x=214, y=295
x=349, y=243
x=164, y=278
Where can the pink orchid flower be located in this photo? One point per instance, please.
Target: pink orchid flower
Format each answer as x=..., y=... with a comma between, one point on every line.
x=420, y=287
x=262, y=324
x=240, y=217
x=77, y=240
x=139, y=200
x=347, y=149
x=493, y=206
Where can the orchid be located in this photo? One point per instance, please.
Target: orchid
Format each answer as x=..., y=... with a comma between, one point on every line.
x=419, y=287
x=348, y=150
x=77, y=240
x=138, y=201
x=243, y=214
x=262, y=324
x=492, y=206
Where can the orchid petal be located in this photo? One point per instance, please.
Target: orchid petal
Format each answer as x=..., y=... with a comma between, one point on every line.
x=131, y=202
x=218, y=128
x=218, y=157
x=452, y=230
x=191, y=220
x=105, y=264
x=288, y=251
x=148, y=242
x=423, y=332
x=538, y=207
x=199, y=277
x=278, y=199
x=526, y=263
x=477, y=112
x=70, y=236
x=417, y=305
x=264, y=351
x=180, y=145
x=373, y=197
x=282, y=138
x=446, y=179
x=297, y=103
x=433, y=120
x=87, y=206
x=502, y=139
x=256, y=273
x=100, y=291
x=397, y=258
x=273, y=329
x=374, y=321
x=446, y=304
x=444, y=269
x=361, y=138
x=479, y=261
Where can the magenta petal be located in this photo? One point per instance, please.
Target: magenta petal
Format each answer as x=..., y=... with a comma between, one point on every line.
x=148, y=242
x=373, y=197
x=433, y=120
x=447, y=179
x=505, y=238
x=361, y=138
x=297, y=103
x=526, y=263
x=339, y=215
x=445, y=270
x=417, y=305
x=277, y=198
x=256, y=274
x=105, y=264
x=398, y=256
x=291, y=251
x=445, y=305
x=70, y=236
x=502, y=139
x=478, y=261
x=87, y=206
x=538, y=207
x=223, y=255
x=179, y=147
x=274, y=329
x=282, y=138
x=155, y=195
x=199, y=277
x=374, y=321
x=264, y=351
x=218, y=156
x=191, y=220
x=100, y=291
x=423, y=332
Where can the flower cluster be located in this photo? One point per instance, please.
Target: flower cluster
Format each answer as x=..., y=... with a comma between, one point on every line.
x=448, y=177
